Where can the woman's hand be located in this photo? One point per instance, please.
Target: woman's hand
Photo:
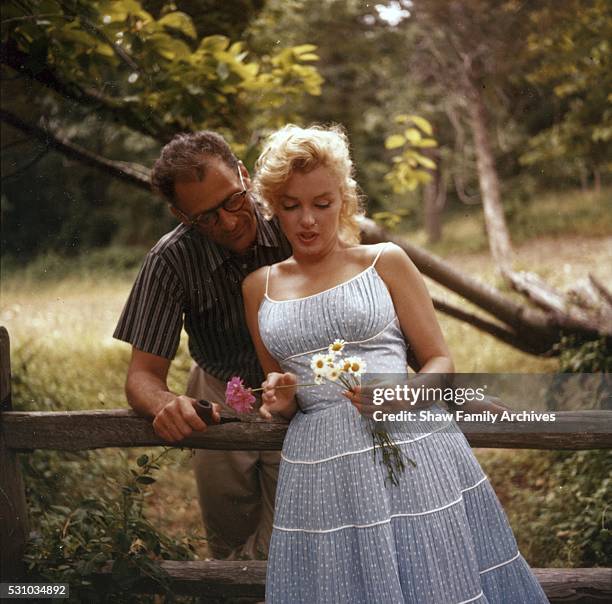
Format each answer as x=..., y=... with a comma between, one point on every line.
x=276, y=399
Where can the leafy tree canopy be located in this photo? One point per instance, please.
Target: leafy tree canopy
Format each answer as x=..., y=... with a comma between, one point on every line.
x=570, y=45
x=156, y=75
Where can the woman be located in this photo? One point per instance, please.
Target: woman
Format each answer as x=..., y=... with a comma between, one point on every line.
x=342, y=533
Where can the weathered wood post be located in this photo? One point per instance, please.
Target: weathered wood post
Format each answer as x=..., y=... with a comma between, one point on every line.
x=13, y=511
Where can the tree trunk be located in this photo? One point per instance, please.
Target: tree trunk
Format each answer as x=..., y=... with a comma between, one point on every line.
x=497, y=230
x=597, y=180
x=434, y=197
x=584, y=180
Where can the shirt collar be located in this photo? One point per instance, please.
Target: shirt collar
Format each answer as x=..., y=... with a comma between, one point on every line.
x=267, y=235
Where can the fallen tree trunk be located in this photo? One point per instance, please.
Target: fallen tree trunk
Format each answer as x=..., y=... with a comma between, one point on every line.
x=528, y=328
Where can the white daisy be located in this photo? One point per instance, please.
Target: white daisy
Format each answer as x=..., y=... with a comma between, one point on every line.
x=356, y=366
x=332, y=372
x=336, y=347
x=318, y=363
x=330, y=359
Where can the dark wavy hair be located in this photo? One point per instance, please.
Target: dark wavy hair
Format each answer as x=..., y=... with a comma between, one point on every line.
x=187, y=156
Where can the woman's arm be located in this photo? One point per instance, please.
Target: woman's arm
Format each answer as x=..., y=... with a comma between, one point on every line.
x=415, y=311
x=282, y=401
x=419, y=324
x=421, y=330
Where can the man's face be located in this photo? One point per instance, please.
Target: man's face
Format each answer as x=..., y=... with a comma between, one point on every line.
x=235, y=231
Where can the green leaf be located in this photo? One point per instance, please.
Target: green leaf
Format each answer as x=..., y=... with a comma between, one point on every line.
x=142, y=460
x=104, y=49
x=236, y=49
x=422, y=123
x=145, y=479
x=413, y=136
x=168, y=47
x=309, y=56
x=426, y=162
x=61, y=509
x=394, y=141
x=214, y=43
x=73, y=33
x=303, y=49
x=181, y=22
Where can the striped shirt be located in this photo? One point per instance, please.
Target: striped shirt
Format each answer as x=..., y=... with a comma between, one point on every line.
x=187, y=280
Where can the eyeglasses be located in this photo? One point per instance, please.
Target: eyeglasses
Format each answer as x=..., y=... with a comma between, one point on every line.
x=210, y=218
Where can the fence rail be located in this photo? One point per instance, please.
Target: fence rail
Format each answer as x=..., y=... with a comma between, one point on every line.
x=79, y=430
x=25, y=431
x=218, y=579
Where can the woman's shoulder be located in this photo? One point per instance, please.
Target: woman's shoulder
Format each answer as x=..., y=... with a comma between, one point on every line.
x=255, y=281
x=368, y=254
x=393, y=264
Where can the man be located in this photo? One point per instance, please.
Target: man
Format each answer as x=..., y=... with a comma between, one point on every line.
x=192, y=277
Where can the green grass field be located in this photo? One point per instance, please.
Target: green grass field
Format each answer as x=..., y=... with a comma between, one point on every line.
x=63, y=357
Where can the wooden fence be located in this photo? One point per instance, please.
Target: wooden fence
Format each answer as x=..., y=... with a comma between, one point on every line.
x=23, y=432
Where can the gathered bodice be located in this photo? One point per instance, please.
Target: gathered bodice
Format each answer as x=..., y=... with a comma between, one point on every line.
x=359, y=311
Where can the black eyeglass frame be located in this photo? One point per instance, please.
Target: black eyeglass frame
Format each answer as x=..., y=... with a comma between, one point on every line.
x=209, y=219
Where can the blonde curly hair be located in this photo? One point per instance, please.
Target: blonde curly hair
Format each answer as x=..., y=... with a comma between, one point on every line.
x=293, y=149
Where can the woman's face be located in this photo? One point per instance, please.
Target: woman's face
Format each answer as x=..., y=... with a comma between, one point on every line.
x=308, y=208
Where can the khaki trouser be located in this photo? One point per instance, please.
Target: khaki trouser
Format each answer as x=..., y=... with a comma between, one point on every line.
x=236, y=488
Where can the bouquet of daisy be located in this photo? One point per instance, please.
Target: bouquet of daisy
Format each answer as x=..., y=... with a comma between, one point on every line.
x=332, y=366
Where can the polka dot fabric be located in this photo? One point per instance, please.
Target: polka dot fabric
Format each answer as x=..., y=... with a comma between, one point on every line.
x=340, y=534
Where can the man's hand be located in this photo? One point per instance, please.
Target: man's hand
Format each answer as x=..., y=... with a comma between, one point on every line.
x=174, y=417
x=279, y=400
x=178, y=419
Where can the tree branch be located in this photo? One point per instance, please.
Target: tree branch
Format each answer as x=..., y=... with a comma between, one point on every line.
x=127, y=172
x=114, y=110
x=498, y=331
x=532, y=326
x=555, y=303
x=605, y=293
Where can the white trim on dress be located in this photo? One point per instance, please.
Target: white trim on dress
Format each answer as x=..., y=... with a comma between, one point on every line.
x=365, y=450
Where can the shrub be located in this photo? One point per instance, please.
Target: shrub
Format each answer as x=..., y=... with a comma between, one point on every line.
x=75, y=540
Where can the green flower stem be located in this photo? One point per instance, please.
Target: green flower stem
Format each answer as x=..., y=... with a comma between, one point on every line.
x=391, y=455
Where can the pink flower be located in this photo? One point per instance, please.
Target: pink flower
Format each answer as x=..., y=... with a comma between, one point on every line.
x=238, y=397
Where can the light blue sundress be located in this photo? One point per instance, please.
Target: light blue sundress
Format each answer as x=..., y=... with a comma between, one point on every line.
x=341, y=535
